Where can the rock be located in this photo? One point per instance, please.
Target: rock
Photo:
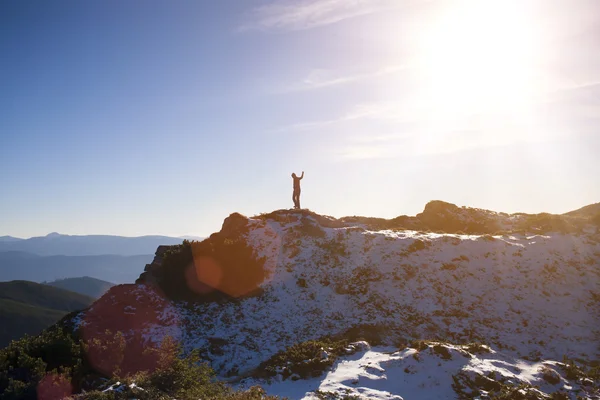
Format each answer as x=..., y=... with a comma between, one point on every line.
x=151, y=270
x=235, y=224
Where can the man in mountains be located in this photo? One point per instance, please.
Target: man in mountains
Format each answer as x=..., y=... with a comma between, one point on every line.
x=296, y=195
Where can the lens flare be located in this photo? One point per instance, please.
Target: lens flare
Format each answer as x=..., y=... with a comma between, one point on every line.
x=54, y=387
x=108, y=324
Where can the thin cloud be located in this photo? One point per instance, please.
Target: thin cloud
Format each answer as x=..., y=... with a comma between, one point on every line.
x=370, y=146
x=361, y=111
x=365, y=153
x=585, y=85
x=319, y=79
x=373, y=139
x=307, y=14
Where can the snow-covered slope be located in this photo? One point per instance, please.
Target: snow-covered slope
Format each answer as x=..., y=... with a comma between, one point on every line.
x=527, y=295
x=434, y=371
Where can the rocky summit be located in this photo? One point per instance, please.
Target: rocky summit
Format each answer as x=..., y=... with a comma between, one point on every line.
x=525, y=287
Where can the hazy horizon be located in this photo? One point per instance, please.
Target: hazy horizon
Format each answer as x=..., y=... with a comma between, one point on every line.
x=192, y=236
x=160, y=118
x=102, y=234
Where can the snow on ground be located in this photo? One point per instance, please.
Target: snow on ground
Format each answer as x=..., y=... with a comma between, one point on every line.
x=388, y=373
x=531, y=295
x=527, y=295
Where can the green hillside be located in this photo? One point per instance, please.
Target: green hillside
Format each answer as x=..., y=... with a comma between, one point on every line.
x=84, y=285
x=28, y=307
x=45, y=296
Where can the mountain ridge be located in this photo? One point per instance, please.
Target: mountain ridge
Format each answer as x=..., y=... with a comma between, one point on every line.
x=18, y=265
x=7, y=238
x=85, y=285
x=88, y=245
x=268, y=299
x=308, y=261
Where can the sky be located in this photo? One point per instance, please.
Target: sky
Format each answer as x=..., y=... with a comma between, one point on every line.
x=164, y=117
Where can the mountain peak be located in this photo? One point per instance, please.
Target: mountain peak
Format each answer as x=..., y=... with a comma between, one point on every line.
x=53, y=234
x=9, y=238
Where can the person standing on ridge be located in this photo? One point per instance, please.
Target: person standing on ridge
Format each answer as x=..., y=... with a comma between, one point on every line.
x=296, y=195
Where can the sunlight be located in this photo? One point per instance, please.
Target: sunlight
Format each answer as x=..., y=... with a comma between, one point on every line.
x=479, y=57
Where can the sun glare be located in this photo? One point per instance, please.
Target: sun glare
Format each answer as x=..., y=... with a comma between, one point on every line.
x=479, y=56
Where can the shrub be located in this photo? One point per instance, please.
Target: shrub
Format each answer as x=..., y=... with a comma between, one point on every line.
x=25, y=362
x=311, y=229
x=410, y=271
x=370, y=333
x=97, y=395
x=335, y=247
x=442, y=351
x=469, y=385
x=301, y=282
x=448, y=266
x=461, y=258
x=366, y=274
x=182, y=377
x=323, y=395
x=573, y=371
x=419, y=345
x=307, y=359
x=550, y=376
x=477, y=348
x=415, y=246
x=57, y=361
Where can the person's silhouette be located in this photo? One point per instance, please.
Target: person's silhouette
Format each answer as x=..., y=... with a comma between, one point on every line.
x=296, y=194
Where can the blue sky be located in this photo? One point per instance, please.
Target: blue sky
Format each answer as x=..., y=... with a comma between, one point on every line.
x=161, y=117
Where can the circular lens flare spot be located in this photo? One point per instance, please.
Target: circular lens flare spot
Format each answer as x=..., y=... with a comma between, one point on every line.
x=203, y=276
x=54, y=387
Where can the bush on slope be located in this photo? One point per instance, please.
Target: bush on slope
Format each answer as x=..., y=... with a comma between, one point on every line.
x=26, y=362
x=304, y=360
x=56, y=364
x=422, y=370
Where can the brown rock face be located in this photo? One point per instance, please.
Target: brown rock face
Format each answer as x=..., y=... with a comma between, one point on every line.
x=226, y=266
x=223, y=264
x=447, y=217
x=151, y=270
x=234, y=225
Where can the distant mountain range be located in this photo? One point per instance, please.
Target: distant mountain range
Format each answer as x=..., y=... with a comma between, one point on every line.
x=85, y=285
x=28, y=307
x=89, y=245
x=117, y=259
x=112, y=268
x=9, y=239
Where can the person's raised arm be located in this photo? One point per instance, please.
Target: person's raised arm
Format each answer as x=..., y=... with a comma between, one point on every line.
x=302, y=176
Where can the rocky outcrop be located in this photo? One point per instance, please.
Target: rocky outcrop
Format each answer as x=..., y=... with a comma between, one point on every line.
x=150, y=273
x=234, y=225
x=437, y=216
x=221, y=266
x=447, y=217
